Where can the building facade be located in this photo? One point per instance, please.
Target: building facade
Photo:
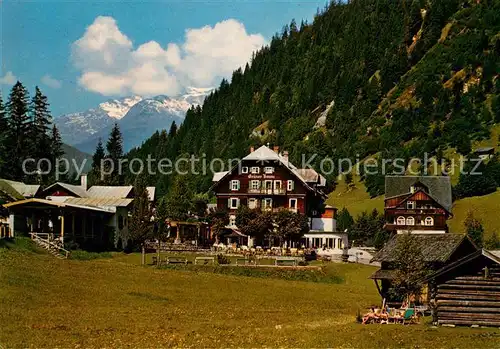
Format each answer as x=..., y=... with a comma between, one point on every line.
x=420, y=205
x=266, y=180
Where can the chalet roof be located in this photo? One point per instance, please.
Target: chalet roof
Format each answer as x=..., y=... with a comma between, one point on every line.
x=492, y=255
x=121, y=192
x=98, y=191
x=439, y=187
x=264, y=153
x=434, y=247
x=218, y=176
x=18, y=190
x=74, y=189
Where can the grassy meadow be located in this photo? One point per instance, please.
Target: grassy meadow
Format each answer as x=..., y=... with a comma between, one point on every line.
x=115, y=302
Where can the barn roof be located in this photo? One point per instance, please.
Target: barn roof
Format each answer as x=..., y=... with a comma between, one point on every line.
x=439, y=187
x=434, y=247
x=492, y=255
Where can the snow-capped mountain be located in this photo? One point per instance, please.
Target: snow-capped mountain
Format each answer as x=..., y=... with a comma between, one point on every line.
x=117, y=108
x=137, y=117
x=77, y=127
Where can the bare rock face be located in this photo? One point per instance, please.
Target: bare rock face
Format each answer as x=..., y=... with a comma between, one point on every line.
x=321, y=122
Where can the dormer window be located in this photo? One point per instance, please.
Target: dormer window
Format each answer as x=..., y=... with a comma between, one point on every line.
x=255, y=170
x=410, y=205
x=269, y=170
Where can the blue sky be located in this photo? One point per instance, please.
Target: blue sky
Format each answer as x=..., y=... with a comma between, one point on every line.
x=50, y=44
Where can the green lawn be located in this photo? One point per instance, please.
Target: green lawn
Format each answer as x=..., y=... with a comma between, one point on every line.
x=114, y=302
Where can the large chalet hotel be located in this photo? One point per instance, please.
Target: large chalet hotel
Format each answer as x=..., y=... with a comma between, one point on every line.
x=266, y=180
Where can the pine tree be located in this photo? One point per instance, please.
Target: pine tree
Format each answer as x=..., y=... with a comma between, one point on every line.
x=40, y=130
x=41, y=124
x=114, y=146
x=3, y=136
x=56, y=149
x=141, y=225
x=474, y=229
x=17, y=142
x=95, y=173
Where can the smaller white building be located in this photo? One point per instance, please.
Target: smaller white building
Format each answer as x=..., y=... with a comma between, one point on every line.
x=323, y=235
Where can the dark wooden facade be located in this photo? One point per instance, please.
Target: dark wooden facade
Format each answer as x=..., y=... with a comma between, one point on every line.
x=467, y=292
x=415, y=211
x=281, y=188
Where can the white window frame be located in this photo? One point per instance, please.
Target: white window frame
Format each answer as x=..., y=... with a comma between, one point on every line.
x=252, y=203
x=401, y=220
x=411, y=205
x=255, y=170
x=244, y=169
x=277, y=185
x=269, y=170
x=266, y=189
x=289, y=185
x=255, y=187
x=235, y=185
x=265, y=204
x=230, y=203
x=429, y=221
x=410, y=221
x=232, y=220
x=295, y=207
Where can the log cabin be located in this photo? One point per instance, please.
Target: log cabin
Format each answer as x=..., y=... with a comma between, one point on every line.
x=439, y=250
x=467, y=291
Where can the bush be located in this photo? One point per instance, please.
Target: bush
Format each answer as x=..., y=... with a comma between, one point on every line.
x=21, y=244
x=86, y=256
x=311, y=275
x=221, y=259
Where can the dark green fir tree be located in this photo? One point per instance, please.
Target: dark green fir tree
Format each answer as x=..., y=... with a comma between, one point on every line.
x=17, y=142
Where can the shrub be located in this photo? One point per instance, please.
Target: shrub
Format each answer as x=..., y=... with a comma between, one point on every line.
x=311, y=275
x=85, y=255
x=221, y=259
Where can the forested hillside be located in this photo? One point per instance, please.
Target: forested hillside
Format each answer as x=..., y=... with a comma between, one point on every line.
x=397, y=78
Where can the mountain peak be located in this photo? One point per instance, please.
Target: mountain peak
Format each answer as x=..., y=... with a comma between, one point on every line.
x=118, y=108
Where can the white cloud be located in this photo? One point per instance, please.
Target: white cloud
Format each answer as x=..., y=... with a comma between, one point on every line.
x=110, y=65
x=8, y=79
x=50, y=81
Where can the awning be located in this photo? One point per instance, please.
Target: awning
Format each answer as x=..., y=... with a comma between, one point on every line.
x=382, y=274
x=34, y=203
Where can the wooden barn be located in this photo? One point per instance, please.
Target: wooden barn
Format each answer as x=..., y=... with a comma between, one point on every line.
x=439, y=250
x=467, y=291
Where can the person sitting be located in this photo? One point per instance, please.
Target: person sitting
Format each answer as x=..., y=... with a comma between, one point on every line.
x=368, y=317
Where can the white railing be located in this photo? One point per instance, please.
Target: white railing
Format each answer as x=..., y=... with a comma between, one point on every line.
x=43, y=240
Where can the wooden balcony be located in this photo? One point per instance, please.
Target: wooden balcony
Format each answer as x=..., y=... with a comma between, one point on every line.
x=393, y=226
x=264, y=191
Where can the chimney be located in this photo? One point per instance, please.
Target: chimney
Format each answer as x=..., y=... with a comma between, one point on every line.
x=276, y=149
x=252, y=149
x=83, y=181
